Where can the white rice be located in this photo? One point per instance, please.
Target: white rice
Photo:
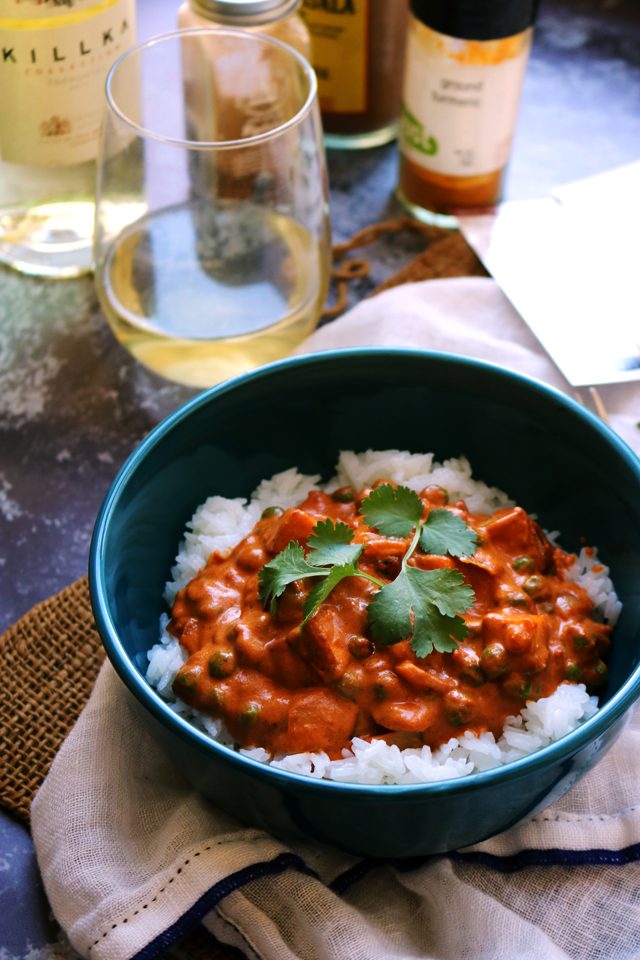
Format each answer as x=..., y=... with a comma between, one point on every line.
x=220, y=524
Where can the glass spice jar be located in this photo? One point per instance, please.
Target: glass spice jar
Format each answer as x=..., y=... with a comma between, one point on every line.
x=466, y=61
x=276, y=18
x=358, y=56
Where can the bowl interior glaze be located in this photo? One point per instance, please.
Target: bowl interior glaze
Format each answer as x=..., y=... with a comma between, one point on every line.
x=551, y=455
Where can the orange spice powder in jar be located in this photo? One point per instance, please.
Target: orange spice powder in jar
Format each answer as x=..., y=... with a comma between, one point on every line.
x=466, y=61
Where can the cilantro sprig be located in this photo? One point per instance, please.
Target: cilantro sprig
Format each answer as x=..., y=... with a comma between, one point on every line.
x=331, y=555
x=422, y=604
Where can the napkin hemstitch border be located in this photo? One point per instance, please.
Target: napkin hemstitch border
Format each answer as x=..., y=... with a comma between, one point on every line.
x=189, y=920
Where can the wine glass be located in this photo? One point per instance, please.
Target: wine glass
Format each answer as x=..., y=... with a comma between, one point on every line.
x=212, y=238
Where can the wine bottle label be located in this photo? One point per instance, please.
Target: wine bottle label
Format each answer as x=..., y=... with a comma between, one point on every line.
x=340, y=37
x=54, y=61
x=460, y=100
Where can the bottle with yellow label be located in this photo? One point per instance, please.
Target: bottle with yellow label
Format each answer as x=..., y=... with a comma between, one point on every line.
x=466, y=61
x=54, y=59
x=358, y=56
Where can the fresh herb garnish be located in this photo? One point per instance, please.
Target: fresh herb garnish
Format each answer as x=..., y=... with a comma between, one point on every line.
x=331, y=555
x=443, y=532
x=289, y=565
x=332, y=544
x=421, y=604
x=393, y=511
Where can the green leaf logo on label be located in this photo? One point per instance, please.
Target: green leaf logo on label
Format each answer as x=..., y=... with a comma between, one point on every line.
x=413, y=134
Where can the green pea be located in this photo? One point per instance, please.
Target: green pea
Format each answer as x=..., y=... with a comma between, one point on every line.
x=387, y=685
x=573, y=672
x=517, y=600
x=222, y=663
x=344, y=495
x=271, y=512
x=473, y=675
x=494, y=660
x=517, y=686
x=602, y=674
x=524, y=565
x=360, y=647
x=445, y=495
x=547, y=608
x=534, y=586
x=458, y=708
x=186, y=681
x=214, y=701
x=348, y=685
x=250, y=714
x=579, y=641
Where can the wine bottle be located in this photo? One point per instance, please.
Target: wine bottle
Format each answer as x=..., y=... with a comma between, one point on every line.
x=54, y=60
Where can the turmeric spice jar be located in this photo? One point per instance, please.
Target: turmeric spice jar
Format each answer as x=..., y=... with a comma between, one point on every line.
x=358, y=56
x=465, y=65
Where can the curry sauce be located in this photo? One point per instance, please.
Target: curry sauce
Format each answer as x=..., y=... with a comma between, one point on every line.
x=291, y=689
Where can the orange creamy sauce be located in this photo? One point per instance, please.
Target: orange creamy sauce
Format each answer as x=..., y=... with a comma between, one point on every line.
x=291, y=690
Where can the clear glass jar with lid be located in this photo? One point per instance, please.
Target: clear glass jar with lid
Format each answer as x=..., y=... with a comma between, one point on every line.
x=277, y=18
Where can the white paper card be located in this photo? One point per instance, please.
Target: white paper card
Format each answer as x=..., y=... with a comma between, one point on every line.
x=570, y=264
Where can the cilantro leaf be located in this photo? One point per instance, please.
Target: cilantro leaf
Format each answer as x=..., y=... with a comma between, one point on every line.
x=393, y=511
x=423, y=604
x=331, y=544
x=322, y=589
x=289, y=565
x=443, y=532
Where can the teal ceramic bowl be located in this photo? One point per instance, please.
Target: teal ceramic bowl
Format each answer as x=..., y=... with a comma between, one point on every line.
x=550, y=454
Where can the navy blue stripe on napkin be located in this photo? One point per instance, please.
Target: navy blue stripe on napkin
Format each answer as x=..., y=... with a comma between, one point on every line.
x=189, y=920
x=345, y=880
x=551, y=858
x=507, y=864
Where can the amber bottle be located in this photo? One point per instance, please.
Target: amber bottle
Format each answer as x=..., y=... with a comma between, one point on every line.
x=358, y=56
x=465, y=65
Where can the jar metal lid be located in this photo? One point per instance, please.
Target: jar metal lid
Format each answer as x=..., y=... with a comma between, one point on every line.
x=476, y=19
x=244, y=13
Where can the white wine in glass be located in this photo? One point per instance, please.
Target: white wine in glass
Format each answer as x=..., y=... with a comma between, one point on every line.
x=212, y=234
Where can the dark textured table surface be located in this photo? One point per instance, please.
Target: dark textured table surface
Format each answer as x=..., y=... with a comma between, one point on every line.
x=73, y=404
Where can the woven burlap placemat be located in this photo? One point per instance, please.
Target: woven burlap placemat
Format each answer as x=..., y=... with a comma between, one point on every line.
x=51, y=657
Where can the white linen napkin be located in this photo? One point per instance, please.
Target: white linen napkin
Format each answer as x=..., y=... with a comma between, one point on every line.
x=132, y=858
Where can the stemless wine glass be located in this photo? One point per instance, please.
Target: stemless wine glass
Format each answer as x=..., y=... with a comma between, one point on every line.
x=212, y=238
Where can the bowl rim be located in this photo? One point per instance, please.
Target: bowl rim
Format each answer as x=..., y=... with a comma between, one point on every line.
x=553, y=754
